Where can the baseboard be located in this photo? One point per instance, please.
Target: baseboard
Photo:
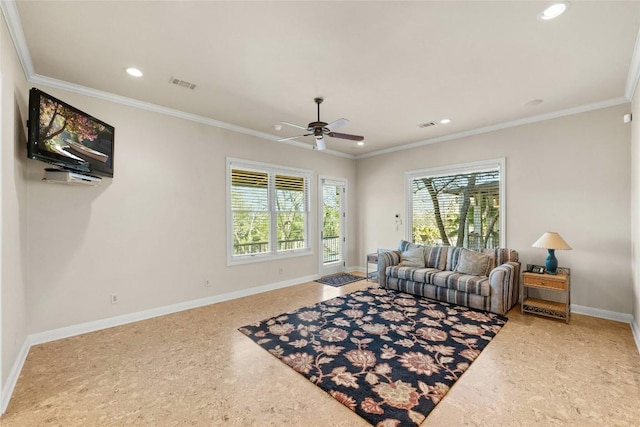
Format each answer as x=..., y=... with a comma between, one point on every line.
x=603, y=314
x=14, y=374
x=83, y=328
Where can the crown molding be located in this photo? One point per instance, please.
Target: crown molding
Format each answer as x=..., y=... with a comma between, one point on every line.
x=14, y=25
x=12, y=18
x=142, y=105
x=634, y=71
x=500, y=126
x=130, y=102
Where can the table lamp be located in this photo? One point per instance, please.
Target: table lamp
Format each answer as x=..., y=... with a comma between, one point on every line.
x=551, y=241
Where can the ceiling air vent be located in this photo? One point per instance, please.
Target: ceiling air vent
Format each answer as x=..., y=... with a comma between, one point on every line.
x=426, y=125
x=181, y=83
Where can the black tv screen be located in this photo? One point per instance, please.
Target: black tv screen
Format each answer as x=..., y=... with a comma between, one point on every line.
x=64, y=136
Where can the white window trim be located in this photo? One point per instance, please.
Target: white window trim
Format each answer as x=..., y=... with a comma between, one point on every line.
x=274, y=255
x=479, y=166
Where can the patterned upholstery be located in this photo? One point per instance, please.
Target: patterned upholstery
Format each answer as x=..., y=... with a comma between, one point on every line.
x=436, y=256
x=478, y=285
x=452, y=258
x=496, y=293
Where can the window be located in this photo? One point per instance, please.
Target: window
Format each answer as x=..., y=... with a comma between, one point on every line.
x=460, y=205
x=268, y=211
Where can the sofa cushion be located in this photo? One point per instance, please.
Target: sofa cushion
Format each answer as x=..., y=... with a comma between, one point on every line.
x=453, y=255
x=502, y=255
x=473, y=263
x=418, y=275
x=405, y=245
x=436, y=256
x=478, y=285
x=413, y=257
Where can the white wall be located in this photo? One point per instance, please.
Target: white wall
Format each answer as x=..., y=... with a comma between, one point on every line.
x=13, y=308
x=156, y=231
x=570, y=175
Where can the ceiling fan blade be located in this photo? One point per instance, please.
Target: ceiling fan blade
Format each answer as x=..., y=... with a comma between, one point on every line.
x=337, y=124
x=346, y=136
x=293, y=137
x=294, y=125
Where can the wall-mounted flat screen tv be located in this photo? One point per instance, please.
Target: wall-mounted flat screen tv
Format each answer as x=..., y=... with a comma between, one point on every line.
x=66, y=137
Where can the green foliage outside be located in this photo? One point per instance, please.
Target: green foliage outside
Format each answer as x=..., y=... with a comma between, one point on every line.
x=331, y=223
x=252, y=219
x=457, y=210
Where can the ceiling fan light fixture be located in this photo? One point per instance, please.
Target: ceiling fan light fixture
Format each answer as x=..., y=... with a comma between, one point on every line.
x=319, y=129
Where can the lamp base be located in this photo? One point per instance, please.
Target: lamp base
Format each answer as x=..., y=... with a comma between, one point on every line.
x=551, y=263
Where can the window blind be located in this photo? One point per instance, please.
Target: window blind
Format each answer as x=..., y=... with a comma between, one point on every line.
x=269, y=209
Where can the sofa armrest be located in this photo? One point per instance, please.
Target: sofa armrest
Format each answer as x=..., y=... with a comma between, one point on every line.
x=505, y=286
x=386, y=258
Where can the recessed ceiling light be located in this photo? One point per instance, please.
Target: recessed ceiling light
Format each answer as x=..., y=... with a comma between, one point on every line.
x=360, y=143
x=134, y=72
x=445, y=121
x=553, y=11
x=277, y=127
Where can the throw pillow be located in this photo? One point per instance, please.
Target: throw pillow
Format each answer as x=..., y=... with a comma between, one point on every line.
x=473, y=263
x=413, y=257
x=405, y=246
x=435, y=256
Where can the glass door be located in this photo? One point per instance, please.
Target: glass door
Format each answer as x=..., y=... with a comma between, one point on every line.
x=332, y=232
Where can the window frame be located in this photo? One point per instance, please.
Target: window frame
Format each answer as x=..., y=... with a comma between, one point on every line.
x=271, y=170
x=461, y=168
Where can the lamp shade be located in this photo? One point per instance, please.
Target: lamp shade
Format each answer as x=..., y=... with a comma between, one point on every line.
x=551, y=240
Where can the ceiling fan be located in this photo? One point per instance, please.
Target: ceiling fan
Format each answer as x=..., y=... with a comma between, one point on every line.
x=319, y=129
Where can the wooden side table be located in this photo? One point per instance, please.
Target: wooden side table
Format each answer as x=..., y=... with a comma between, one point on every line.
x=558, y=283
x=372, y=259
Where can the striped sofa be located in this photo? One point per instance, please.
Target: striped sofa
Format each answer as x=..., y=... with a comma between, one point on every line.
x=496, y=292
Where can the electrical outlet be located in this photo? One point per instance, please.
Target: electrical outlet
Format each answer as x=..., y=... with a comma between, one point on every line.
x=207, y=283
x=114, y=298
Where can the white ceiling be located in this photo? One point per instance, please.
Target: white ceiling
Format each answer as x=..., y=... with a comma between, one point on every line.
x=386, y=66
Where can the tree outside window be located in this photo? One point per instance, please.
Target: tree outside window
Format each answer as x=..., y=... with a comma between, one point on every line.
x=456, y=209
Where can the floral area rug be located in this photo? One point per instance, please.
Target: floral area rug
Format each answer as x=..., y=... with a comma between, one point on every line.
x=339, y=279
x=388, y=356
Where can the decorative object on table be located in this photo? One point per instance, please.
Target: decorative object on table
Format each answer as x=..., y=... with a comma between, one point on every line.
x=532, y=268
x=386, y=355
x=552, y=242
x=339, y=279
